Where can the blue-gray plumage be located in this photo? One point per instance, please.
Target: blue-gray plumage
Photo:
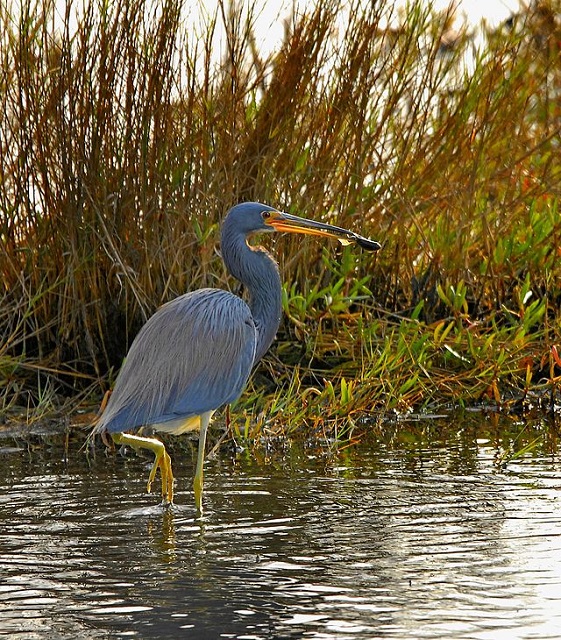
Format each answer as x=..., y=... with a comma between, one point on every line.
x=195, y=354
x=186, y=382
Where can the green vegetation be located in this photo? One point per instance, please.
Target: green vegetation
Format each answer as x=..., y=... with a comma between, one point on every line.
x=124, y=139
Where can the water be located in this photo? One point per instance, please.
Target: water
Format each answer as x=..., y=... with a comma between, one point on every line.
x=416, y=536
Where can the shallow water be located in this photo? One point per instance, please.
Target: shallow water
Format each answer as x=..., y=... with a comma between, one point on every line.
x=413, y=539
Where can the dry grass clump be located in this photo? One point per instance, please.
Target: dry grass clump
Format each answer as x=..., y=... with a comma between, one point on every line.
x=124, y=140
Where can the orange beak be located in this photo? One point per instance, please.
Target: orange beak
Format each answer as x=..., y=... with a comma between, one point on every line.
x=293, y=224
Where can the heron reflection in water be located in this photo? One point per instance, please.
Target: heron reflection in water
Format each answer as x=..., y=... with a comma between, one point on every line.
x=195, y=354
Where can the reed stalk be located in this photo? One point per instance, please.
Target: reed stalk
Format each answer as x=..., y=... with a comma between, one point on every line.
x=124, y=139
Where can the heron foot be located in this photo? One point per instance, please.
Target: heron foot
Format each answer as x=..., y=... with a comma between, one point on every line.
x=162, y=461
x=199, y=472
x=198, y=491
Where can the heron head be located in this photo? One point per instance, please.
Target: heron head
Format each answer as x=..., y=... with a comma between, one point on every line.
x=254, y=217
x=250, y=217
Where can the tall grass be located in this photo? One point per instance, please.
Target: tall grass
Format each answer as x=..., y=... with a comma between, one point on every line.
x=124, y=139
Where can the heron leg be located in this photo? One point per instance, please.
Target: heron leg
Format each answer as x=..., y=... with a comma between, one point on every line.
x=198, y=479
x=162, y=461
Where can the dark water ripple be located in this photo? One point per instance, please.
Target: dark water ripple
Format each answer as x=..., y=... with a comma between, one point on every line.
x=367, y=545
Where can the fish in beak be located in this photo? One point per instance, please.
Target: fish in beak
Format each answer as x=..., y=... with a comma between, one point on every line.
x=286, y=222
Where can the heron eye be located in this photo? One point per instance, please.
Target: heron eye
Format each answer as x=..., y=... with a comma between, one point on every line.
x=266, y=215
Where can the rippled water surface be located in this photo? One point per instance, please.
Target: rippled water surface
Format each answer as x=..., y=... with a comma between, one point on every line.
x=412, y=540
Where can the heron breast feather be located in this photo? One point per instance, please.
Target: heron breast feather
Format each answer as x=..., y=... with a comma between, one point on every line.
x=180, y=425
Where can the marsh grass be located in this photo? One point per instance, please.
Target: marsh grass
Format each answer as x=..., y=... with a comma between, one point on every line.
x=124, y=140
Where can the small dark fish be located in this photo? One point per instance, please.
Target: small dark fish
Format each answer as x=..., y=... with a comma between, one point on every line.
x=367, y=244
x=349, y=237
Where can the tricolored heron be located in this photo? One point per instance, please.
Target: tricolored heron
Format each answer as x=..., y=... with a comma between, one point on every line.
x=195, y=354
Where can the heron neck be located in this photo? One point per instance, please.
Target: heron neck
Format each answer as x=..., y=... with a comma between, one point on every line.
x=258, y=272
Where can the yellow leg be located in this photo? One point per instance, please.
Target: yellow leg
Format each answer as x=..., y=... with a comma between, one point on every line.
x=198, y=479
x=162, y=461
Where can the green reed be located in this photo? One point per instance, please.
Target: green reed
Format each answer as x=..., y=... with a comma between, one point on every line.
x=124, y=140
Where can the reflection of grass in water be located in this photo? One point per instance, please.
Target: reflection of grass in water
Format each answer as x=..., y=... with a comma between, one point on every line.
x=122, y=147
x=459, y=441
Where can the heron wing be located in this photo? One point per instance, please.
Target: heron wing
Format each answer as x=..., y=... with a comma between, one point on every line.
x=193, y=355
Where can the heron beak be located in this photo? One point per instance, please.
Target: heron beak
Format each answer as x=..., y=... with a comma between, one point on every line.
x=285, y=222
